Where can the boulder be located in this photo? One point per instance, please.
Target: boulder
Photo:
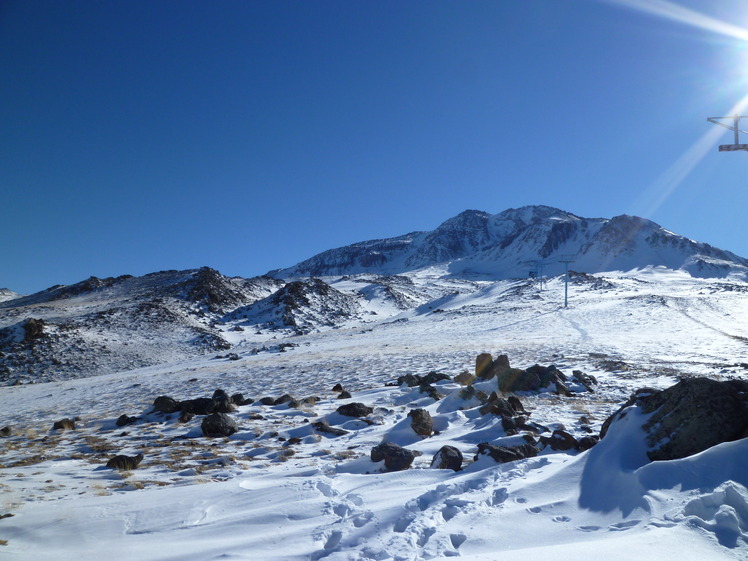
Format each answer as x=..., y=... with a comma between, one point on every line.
x=587, y=442
x=199, y=406
x=239, y=399
x=166, y=404
x=33, y=329
x=517, y=380
x=433, y=377
x=498, y=406
x=421, y=422
x=560, y=440
x=285, y=398
x=125, y=463
x=5, y=432
x=484, y=366
x=587, y=380
x=64, y=424
x=345, y=394
x=465, y=378
x=448, y=457
x=325, y=428
x=396, y=458
x=505, y=454
x=337, y=387
x=355, y=409
x=689, y=417
x=222, y=402
x=267, y=401
x=124, y=420
x=218, y=424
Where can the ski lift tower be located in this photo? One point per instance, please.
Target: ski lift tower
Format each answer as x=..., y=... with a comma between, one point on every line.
x=566, y=259
x=735, y=127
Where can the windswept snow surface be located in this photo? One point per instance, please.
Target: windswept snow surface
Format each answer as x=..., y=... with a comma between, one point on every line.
x=279, y=490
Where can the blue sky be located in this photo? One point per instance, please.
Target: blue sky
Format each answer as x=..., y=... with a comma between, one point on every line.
x=147, y=135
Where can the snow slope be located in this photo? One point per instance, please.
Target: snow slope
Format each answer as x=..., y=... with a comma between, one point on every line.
x=280, y=490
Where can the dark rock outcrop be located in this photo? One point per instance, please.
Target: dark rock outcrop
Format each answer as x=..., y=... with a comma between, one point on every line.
x=421, y=422
x=218, y=425
x=64, y=424
x=560, y=440
x=396, y=458
x=689, y=417
x=505, y=454
x=125, y=463
x=325, y=428
x=166, y=404
x=199, y=406
x=448, y=457
x=124, y=420
x=355, y=409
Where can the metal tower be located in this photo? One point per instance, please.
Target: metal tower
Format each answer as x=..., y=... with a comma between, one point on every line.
x=735, y=128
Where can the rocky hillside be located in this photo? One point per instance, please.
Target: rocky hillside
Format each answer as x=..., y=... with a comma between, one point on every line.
x=515, y=242
x=103, y=325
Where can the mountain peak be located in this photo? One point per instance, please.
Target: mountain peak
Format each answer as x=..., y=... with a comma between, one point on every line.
x=475, y=243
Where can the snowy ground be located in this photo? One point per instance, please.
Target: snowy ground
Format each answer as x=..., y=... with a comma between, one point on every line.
x=259, y=495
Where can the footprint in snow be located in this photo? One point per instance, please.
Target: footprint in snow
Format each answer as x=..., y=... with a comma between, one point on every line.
x=621, y=526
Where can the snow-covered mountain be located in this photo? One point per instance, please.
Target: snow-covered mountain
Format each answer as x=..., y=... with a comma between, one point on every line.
x=103, y=325
x=327, y=374
x=513, y=243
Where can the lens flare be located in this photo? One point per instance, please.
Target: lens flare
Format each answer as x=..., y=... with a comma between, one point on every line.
x=667, y=183
x=687, y=16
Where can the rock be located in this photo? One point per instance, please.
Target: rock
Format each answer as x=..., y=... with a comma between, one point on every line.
x=430, y=391
x=415, y=380
x=509, y=426
x=186, y=417
x=166, y=404
x=409, y=379
x=337, y=387
x=432, y=378
x=267, y=401
x=560, y=440
x=587, y=442
x=498, y=406
x=355, y=409
x=234, y=356
x=5, y=432
x=517, y=380
x=396, y=458
x=64, y=424
x=222, y=402
x=285, y=398
x=125, y=463
x=465, y=378
x=421, y=422
x=484, y=366
x=240, y=400
x=516, y=404
x=124, y=420
x=505, y=454
x=345, y=394
x=218, y=424
x=199, y=406
x=325, y=428
x=448, y=457
x=586, y=380
x=689, y=417
x=33, y=329
x=501, y=364
x=305, y=402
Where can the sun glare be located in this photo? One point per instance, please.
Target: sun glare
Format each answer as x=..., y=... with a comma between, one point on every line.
x=667, y=183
